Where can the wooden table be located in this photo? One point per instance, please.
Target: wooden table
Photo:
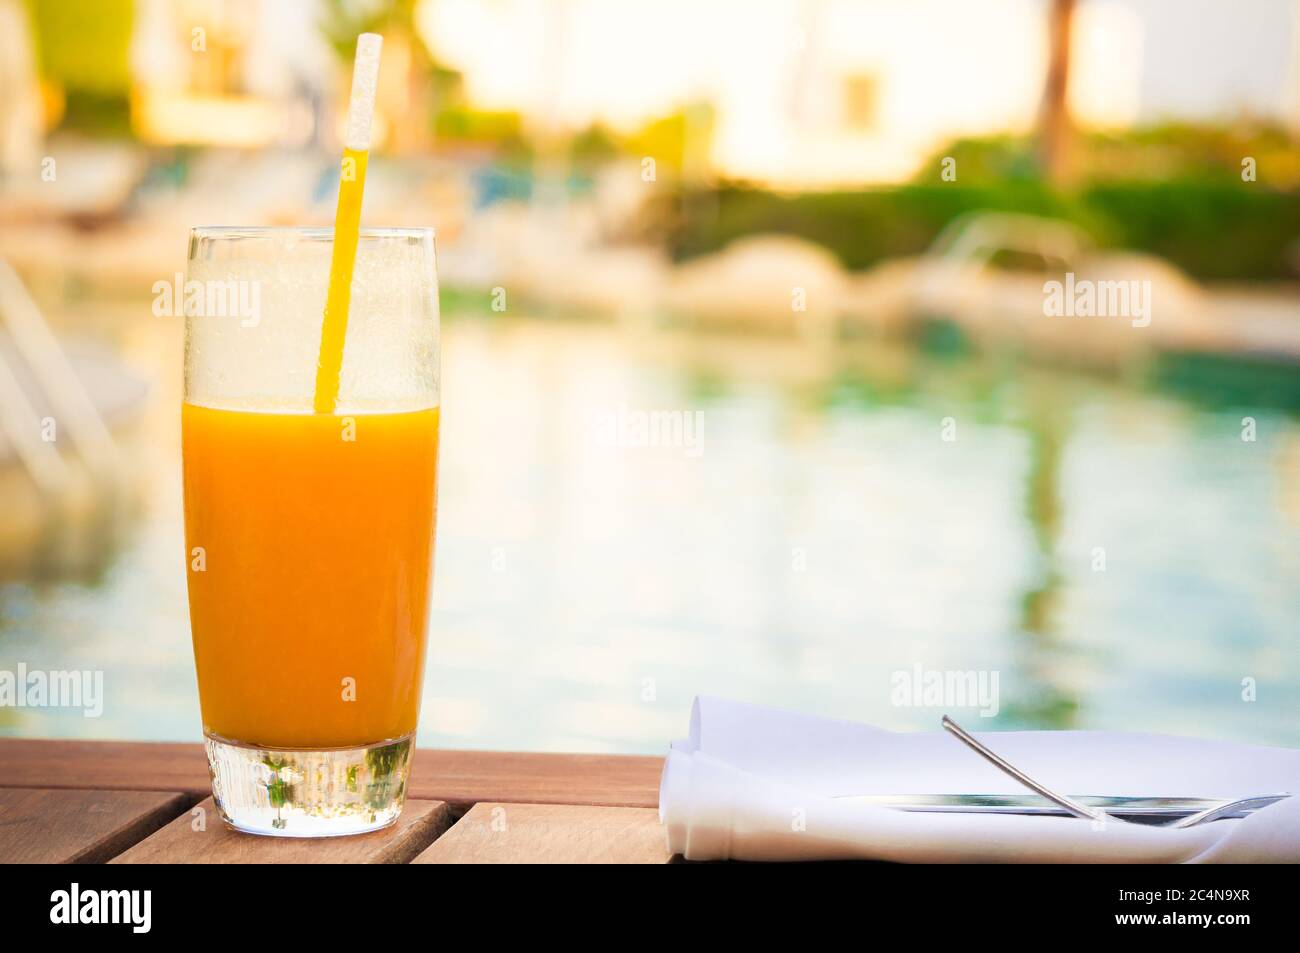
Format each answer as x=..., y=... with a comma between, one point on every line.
x=139, y=802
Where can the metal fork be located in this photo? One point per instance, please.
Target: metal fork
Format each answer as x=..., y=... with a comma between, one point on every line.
x=1091, y=813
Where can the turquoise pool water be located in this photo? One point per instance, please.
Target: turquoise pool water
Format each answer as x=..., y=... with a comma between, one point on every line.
x=1116, y=556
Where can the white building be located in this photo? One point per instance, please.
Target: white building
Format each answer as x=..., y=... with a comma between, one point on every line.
x=820, y=92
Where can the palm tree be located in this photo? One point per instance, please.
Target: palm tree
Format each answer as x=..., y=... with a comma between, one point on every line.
x=1054, y=118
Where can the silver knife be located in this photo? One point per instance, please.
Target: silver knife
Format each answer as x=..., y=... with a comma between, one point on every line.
x=1130, y=808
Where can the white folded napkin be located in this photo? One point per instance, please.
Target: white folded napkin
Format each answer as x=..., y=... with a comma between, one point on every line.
x=755, y=783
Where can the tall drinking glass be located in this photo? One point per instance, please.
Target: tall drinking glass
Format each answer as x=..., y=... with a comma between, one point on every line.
x=309, y=536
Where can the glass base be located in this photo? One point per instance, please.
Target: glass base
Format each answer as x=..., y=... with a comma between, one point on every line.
x=313, y=793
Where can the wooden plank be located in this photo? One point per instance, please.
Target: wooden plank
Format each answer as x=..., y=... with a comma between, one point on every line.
x=41, y=826
x=104, y=765
x=179, y=843
x=551, y=834
x=468, y=777
x=460, y=777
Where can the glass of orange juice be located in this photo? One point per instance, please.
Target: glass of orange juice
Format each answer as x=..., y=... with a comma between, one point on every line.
x=309, y=536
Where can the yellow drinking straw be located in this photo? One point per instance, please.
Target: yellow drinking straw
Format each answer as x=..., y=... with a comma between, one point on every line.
x=347, y=220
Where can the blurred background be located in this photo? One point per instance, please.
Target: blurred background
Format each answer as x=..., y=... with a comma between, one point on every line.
x=821, y=228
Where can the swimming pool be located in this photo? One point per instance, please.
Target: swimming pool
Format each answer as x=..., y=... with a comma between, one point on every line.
x=811, y=528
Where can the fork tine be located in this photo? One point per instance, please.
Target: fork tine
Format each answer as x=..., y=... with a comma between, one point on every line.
x=1228, y=807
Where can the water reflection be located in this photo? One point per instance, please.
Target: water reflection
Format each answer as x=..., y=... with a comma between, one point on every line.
x=826, y=537
x=1039, y=654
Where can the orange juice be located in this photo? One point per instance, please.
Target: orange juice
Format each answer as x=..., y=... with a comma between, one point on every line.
x=310, y=547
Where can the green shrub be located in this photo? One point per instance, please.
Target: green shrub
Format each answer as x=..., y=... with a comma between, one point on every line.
x=1230, y=231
